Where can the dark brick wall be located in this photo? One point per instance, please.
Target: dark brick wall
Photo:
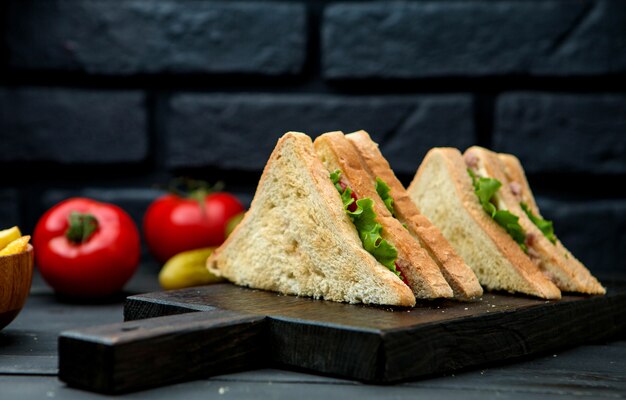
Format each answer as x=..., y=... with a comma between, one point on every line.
x=68, y=125
x=245, y=127
x=130, y=37
x=574, y=133
x=105, y=99
x=476, y=38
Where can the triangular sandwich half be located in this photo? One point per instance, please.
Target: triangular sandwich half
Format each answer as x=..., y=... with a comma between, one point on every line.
x=544, y=247
x=413, y=263
x=297, y=238
x=458, y=274
x=444, y=191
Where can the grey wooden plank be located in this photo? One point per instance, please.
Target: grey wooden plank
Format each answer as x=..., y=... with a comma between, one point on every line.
x=29, y=344
x=593, y=370
x=283, y=376
x=47, y=387
x=29, y=365
x=35, y=330
x=48, y=313
x=17, y=342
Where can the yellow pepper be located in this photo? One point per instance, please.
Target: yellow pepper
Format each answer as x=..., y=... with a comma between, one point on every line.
x=187, y=269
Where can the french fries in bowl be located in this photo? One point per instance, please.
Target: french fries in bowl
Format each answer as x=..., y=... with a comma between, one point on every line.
x=16, y=273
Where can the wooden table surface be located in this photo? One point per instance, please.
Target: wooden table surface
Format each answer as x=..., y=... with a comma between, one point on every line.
x=28, y=365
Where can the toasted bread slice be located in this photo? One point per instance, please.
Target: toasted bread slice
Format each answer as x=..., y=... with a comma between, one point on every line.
x=459, y=275
x=420, y=271
x=297, y=239
x=567, y=272
x=443, y=191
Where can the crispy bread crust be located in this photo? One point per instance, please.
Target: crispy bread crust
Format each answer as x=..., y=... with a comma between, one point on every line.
x=383, y=280
x=423, y=275
x=458, y=274
x=581, y=279
x=528, y=272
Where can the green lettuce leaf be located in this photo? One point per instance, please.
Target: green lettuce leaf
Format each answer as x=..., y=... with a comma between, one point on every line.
x=485, y=189
x=383, y=191
x=546, y=227
x=510, y=222
x=346, y=195
x=334, y=177
x=364, y=220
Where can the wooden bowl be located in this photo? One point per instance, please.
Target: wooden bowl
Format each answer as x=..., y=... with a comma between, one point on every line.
x=16, y=275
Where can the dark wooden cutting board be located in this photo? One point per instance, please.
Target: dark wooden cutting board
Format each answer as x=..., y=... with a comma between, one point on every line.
x=198, y=332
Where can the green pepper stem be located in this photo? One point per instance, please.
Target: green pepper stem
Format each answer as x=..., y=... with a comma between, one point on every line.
x=81, y=227
x=193, y=188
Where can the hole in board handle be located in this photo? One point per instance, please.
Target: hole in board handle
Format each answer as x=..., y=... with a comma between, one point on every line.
x=129, y=328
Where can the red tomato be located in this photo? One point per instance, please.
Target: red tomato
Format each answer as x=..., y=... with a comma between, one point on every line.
x=174, y=224
x=86, y=248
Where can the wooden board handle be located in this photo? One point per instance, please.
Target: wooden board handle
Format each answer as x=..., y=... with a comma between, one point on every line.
x=153, y=352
